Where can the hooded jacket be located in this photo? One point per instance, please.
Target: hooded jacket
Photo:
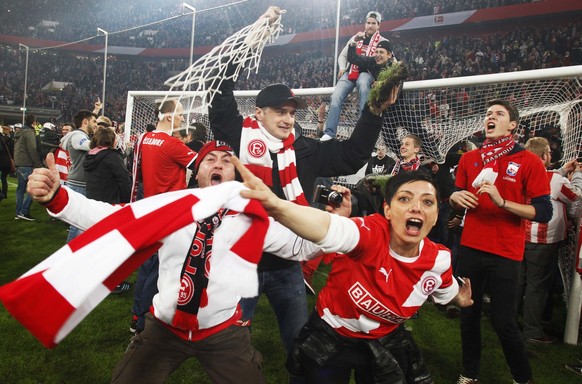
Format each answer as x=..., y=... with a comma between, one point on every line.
x=25, y=153
x=106, y=176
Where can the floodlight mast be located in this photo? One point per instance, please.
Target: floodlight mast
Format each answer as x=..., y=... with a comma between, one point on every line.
x=25, y=80
x=106, y=34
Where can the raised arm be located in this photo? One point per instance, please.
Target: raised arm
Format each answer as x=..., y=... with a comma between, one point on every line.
x=309, y=223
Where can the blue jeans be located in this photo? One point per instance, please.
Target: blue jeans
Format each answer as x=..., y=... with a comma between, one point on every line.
x=23, y=199
x=497, y=276
x=286, y=293
x=146, y=287
x=342, y=89
x=74, y=231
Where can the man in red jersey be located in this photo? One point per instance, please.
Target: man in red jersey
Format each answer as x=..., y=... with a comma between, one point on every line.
x=161, y=161
x=498, y=185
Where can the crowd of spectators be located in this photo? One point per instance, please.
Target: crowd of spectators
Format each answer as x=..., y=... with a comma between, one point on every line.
x=513, y=47
x=213, y=26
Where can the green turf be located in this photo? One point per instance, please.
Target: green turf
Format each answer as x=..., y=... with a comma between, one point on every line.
x=90, y=352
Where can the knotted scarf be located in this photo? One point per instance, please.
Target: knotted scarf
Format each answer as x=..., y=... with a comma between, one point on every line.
x=52, y=298
x=491, y=150
x=411, y=165
x=255, y=152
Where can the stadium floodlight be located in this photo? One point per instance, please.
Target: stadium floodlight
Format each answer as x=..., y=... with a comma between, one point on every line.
x=20, y=45
x=106, y=34
x=191, y=8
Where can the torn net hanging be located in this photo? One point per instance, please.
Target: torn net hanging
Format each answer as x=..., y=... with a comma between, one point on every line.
x=240, y=51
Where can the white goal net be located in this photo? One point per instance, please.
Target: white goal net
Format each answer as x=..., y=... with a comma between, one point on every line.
x=441, y=112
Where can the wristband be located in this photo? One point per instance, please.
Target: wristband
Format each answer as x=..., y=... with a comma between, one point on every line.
x=503, y=205
x=320, y=122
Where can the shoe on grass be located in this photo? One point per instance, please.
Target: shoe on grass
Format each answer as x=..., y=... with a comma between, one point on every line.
x=122, y=287
x=25, y=216
x=466, y=380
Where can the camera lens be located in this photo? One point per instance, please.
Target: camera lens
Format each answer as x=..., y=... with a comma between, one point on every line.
x=335, y=199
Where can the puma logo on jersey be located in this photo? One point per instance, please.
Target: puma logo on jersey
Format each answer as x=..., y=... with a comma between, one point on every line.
x=383, y=271
x=362, y=223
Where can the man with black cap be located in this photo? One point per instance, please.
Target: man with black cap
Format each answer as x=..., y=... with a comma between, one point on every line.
x=351, y=75
x=189, y=283
x=270, y=144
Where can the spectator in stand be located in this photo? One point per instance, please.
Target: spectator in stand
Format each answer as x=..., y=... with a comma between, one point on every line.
x=25, y=160
x=161, y=160
x=350, y=76
x=543, y=241
x=497, y=185
x=6, y=159
x=76, y=143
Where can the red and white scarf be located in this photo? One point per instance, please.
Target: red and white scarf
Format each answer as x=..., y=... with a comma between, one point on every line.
x=491, y=150
x=63, y=163
x=256, y=147
x=371, y=51
x=69, y=284
x=411, y=165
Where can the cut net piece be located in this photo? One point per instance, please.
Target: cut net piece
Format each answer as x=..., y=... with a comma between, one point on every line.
x=240, y=51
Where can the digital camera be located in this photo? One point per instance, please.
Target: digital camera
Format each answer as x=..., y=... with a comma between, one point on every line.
x=327, y=196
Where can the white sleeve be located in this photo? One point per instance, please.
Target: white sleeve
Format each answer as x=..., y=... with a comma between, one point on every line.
x=83, y=212
x=342, y=59
x=282, y=242
x=342, y=236
x=445, y=295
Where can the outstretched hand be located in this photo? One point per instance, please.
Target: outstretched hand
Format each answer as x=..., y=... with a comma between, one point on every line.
x=272, y=13
x=44, y=182
x=391, y=100
x=463, y=298
x=257, y=189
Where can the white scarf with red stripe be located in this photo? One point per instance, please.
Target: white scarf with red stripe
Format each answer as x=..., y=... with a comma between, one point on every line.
x=52, y=298
x=256, y=147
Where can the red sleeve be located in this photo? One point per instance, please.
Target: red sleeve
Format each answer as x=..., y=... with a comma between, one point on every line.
x=461, y=176
x=180, y=153
x=59, y=201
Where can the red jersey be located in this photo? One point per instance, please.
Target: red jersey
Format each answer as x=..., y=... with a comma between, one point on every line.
x=163, y=163
x=522, y=176
x=371, y=290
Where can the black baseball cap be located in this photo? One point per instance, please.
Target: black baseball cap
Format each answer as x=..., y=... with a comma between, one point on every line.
x=276, y=94
x=385, y=44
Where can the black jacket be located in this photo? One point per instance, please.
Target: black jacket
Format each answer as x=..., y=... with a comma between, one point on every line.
x=366, y=63
x=314, y=158
x=107, y=177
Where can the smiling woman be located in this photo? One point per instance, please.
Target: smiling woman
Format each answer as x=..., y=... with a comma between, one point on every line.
x=387, y=270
